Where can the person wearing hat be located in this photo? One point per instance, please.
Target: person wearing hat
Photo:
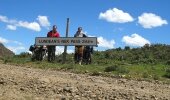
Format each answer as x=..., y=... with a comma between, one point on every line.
x=51, y=49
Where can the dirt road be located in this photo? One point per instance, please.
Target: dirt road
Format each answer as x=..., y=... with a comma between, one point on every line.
x=24, y=83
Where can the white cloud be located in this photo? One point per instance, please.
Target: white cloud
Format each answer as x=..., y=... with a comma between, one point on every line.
x=11, y=27
x=6, y=20
x=115, y=15
x=16, y=49
x=33, y=25
x=105, y=43
x=16, y=42
x=150, y=20
x=14, y=24
x=135, y=40
x=3, y=18
x=60, y=50
x=43, y=20
x=3, y=40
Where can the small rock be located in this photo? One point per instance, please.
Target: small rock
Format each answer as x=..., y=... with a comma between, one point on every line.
x=63, y=98
x=1, y=82
x=93, y=96
x=142, y=87
x=86, y=71
x=77, y=97
x=153, y=97
x=22, y=89
x=70, y=89
x=137, y=98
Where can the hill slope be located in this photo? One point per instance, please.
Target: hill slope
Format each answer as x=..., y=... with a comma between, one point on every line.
x=4, y=51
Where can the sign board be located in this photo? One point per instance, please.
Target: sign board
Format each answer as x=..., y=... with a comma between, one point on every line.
x=67, y=41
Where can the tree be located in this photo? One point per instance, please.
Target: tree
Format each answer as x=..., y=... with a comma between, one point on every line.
x=127, y=48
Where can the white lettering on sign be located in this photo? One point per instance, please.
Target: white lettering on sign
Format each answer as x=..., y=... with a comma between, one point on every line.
x=66, y=41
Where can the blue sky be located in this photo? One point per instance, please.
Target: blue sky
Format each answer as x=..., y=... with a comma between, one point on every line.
x=116, y=23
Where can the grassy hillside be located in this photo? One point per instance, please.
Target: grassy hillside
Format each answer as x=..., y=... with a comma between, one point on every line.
x=145, y=63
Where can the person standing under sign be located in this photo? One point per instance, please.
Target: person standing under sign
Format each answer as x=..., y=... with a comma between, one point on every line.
x=51, y=49
x=78, y=56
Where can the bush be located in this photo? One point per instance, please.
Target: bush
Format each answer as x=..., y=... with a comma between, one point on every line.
x=168, y=62
x=145, y=75
x=111, y=68
x=122, y=70
x=156, y=77
x=7, y=60
x=95, y=73
x=24, y=54
x=167, y=74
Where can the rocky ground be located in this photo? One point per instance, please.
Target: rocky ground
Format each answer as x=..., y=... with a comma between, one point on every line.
x=24, y=83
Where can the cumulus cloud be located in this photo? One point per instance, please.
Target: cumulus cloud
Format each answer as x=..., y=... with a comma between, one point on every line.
x=135, y=40
x=33, y=25
x=6, y=20
x=11, y=27
x=16, y=49
x=150, y=20
x=3, y=18
x=105, y=43
x=43, y=20
x=3, y=40
x=115, y=15
x=14, y=24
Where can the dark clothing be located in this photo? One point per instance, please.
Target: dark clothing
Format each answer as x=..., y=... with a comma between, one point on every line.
x=52, y=49
x=51, y=53
x=38, y=52
x=87, y=53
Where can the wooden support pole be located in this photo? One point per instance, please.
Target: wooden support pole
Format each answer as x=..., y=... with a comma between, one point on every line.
x=65, y=47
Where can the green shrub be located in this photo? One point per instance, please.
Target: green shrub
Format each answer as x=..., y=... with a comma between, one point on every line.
x=145, y=75
x=168, y=62
x=24, y=55
x=156, y=77
x=167, y=74
x=122, y=70
x=111, y=68
x=6, y=60
x=95, y=73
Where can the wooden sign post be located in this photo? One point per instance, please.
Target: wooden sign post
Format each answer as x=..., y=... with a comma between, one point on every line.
x=65, y=47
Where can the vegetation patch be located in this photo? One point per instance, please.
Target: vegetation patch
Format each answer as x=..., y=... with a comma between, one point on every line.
x=167, y=74
x=111, y=68
x=148, y=62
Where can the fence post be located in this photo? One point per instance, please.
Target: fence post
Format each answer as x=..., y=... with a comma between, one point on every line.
x=65, y=47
